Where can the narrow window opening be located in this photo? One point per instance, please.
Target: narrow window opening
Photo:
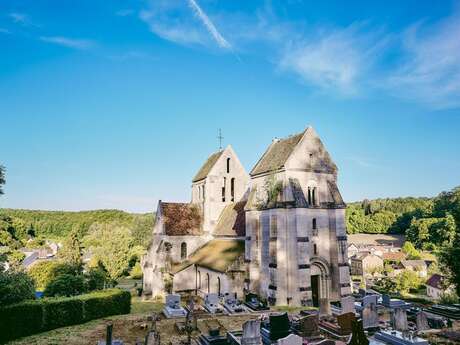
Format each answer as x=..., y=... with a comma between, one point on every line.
x=228, y=165
x=208, y=283
x=315, y=249
x=223, y=190
x=232, y=188
x=313, y=196
x=183, y=250
x=314, y=224
x=309, y=196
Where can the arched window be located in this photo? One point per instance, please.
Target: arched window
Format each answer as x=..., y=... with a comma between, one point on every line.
x=207, y=281
x=315, y=249
x=183, y=251
x=218, y=286
x=309, y=196
x=223, y=189
x=228, y=165
x=232, y=188
x=313, y=196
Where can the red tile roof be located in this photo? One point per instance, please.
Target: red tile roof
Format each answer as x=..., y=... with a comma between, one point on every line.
x=181, y=219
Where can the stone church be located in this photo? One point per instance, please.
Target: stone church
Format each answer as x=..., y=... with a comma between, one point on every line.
x=278, y=232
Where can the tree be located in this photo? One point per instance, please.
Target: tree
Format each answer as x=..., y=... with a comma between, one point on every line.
x=15, y=286
x=72, y=250
x=449, y=257
x=111, y=245
x=407, y=280
x=96, y=278
x=44, y=272
x=409, y=249
x=66, y=285
x=2, y=178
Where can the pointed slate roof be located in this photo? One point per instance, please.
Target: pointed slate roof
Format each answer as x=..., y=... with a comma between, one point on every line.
x=207, y=166
x=277, y=154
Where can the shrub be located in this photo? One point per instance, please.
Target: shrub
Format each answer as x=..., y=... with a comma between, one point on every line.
x=18, y=320
x=98, y=304
x=15, y=287
x=136, y=271
x=45, y=272
x=30, y=317
x=60, y=312
x=96, y=279
x=66, y=285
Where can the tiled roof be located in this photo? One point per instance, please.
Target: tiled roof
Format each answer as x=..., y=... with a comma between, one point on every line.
x=232, y=221
x=207, y=166
x=414, y=263
x=277, y=154
x=217, y=255
x=435, y=281
x=394, y=256
x=181, y=219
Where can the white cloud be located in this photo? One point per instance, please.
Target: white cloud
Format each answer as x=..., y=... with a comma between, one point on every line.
x=21, y=19
x=182, y=22
x=430, y=70
x=334, y=59
x=221, y=41
x=68, y=42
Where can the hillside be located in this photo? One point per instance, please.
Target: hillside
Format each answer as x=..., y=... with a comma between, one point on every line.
x=58, y=224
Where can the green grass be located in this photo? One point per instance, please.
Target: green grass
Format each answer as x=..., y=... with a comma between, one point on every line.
x=138, y=306
x=289, y=309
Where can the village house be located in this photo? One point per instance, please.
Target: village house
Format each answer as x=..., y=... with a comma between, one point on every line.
x=278, y=232
x=435, y=286
x=365, y=263
x=418, y=266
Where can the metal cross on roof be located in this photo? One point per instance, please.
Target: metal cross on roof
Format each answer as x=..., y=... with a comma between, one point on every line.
x=220, y=137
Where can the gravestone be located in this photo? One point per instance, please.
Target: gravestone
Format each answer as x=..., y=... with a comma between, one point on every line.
x=345, y=322
x=422, y=321
x=369, y=299
x=291, y=339
x=172, y=307
x=369, y=312
x=348, y=304
x=251, y=333
x=280, y=326
x=324, y=307
x=386, y=300
x=211, y=303
x=308, y=325
x=399, y=317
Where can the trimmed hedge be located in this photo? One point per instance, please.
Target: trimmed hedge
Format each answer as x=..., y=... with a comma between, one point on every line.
x=30, y=317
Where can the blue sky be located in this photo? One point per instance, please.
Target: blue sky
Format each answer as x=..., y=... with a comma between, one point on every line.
x=116, y=104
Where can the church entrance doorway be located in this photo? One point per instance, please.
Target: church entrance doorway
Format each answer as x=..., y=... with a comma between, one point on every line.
x=315, y=290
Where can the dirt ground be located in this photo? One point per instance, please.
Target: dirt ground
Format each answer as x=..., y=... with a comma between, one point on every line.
x=129, y=328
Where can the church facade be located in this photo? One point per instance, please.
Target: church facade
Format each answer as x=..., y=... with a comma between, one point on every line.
x=278, y=232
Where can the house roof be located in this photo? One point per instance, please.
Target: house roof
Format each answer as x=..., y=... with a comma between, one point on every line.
x=181, y=219
x=207, y=166
x=394, y=256
x=420, y=264
x=232, y=221
x=217, y=255
x=277, y=154
x=435, y=281
x=376, y=239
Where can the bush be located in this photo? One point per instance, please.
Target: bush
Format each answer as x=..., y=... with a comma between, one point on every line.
x=19, y=320
x=60, y=312
x=30, y=317
x=100, y=303
x=66, y=285
x=96, y=279
x=136, y=271
x=45, y=272
x=15, y=287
